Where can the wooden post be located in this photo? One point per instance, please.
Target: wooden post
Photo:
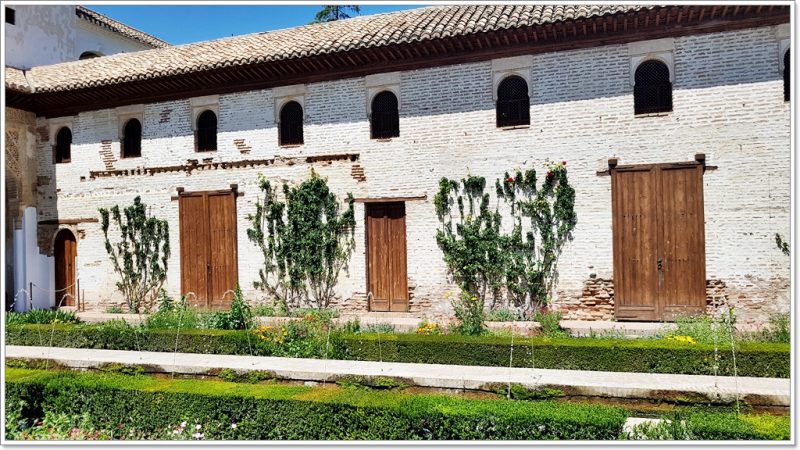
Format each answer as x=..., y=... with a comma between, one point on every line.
x=30, y=293
x=78, y=294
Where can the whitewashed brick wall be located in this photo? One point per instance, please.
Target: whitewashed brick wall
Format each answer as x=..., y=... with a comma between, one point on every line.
x=728, y=104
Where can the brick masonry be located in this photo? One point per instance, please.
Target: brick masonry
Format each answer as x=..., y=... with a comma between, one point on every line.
x=728, y=104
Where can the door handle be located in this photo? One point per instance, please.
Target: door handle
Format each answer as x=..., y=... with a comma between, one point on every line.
x=660, y=265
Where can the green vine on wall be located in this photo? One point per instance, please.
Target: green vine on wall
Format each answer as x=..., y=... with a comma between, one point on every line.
x=141, y=254
x=306, y=241
x=483, y=259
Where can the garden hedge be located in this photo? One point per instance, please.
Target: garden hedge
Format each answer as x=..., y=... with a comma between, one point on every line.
x=614, y=355
x=729, y=427
x=291, y=412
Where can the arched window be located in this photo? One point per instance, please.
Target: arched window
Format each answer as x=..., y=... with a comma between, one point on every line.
x=291, y=129
x=513, y=103
x=652, y=90
x=63, y=145
x=786, y=78
x=89, y=55
x=384, y=118
x=132, y=139
x=206, y=134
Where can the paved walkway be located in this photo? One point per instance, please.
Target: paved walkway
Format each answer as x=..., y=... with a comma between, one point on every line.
x=757, y=391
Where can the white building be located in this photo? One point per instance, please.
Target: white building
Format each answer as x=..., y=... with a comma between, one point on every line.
x=684, y=107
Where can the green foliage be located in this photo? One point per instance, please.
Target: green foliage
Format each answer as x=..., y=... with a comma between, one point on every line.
x=175, y=315
x=379, y=328
x=114, y=310
x=783, y=246
x=352, y=326
x=502, y=314
x=713, y=426
x=140, y=256
x=306, y=242
x=324, y=314
x=520, y=392
x=269, y=310
x=307, y=339
x=330, y=13
x=282, y=412
x=778, y=330
x=473, y=246
x=239, y=317
x=469, y=312
x=543, y=218
x=549, y=323
x=486, y=261
x=703, y=329
x=43, y=316
x=362, y=382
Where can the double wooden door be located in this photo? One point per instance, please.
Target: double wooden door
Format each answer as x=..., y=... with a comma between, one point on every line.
x=659, y=241
x=387, y=278
x=208, y=247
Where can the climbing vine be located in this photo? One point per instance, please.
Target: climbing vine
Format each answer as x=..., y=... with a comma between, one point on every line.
x=485, y=259
x=306, y=241
x=140, y=256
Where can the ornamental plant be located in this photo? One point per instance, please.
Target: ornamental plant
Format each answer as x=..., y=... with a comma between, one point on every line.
x=140, y=255
x=543, y=220
x=306, y=240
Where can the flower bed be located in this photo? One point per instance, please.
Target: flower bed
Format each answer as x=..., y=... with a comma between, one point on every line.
x=615, y=355
x=273, y=411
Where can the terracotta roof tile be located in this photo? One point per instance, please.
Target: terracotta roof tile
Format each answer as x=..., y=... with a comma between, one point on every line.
x=15, y=80
x=309, y=40
x=119, y=27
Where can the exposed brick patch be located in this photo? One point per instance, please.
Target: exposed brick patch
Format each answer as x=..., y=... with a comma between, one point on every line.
x=241, y=146
x=42, y=180
x=716, y=295
x=106, y=154
x=164, y=115
x=357, y=172
x=595, y=302
x=356, y=303
x=44, y=238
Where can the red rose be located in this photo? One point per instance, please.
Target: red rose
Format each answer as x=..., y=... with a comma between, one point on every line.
x=510, y=180
x=564, y=163
x=550, y=174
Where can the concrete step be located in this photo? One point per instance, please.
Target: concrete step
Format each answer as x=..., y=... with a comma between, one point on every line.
x=619, y=385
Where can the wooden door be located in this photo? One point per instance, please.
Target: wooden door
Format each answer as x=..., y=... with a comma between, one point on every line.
x=387, y=276
x=65, y=253
x=659, y=241
x=209, y=268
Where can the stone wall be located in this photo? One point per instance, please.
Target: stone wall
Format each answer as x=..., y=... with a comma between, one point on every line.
x=728, y=104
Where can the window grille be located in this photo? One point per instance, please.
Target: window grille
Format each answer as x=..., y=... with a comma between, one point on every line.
x=63, y=145
x=385, y=119
x=513, y=103
x=652, y=90
x=207, y=132
x=132, y=139
x=291, y=129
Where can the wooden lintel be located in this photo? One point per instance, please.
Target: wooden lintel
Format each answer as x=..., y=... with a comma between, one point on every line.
x=69, y=221
x=390, y=199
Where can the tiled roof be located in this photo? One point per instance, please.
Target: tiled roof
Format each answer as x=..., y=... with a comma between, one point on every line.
x=318, y=39
x=15, y=80
x=119, y=27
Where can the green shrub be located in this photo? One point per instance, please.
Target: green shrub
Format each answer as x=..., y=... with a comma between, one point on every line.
x=503, y=315
x=549, y=323
x=307, y=339
x=778, y=329
x=520, y=392
x=352, y=326
x=41, y=316
x=324, y=314
x=288, y=412
x=116, y=309
x=269, y=310
x=727, y=426
x=469, y=312
x=379, y=328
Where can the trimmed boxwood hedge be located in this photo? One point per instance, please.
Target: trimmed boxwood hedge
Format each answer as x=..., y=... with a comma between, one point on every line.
x=728, y=427
x=613, y=355
x=283, y=412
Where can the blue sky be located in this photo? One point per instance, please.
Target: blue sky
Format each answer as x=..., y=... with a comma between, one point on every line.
x=178, y=24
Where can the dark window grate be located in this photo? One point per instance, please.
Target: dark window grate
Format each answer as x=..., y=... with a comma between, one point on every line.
x=11, y=16
x=787, y=80
x=63, y=145
x=652, y=91
x=207, y=132
x=132, y=140
x=513, y=103
x=385, y=119
x=291, y=129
